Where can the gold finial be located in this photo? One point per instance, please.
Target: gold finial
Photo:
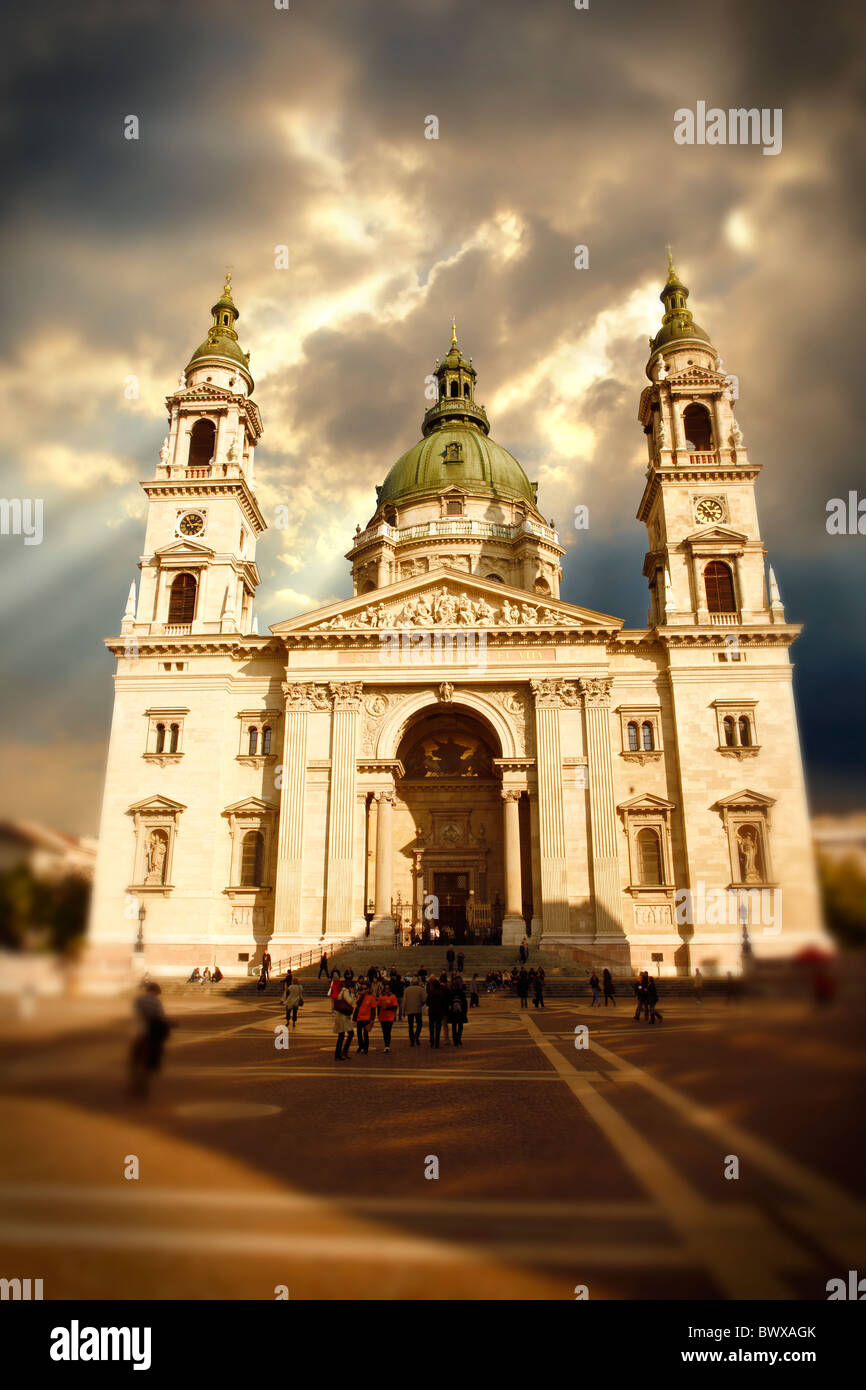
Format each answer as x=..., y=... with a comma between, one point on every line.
x=453, y=331
x=671, y=271
x=227, y=287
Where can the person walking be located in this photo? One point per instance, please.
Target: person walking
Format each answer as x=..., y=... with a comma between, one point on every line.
x=538, y=996
x=607, y=987
x=445, y=994
x=457, y=1012
x=414, y=999
x=435, y=1011
x=523, y=989
x=387, y=1005
x=151, y=1030
x=652, y=996
x=473, y=993
x=293, y=998
x=640, y=994
x=596, y=990
x=398, y=987
x=449, y=956
x=323, y=966
x=365, y=1008
x=699, y=986
x=460, y=959
x=266, y=967
x=344, y=1007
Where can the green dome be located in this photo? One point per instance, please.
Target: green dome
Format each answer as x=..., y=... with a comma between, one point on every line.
x=479, y=465
x=221, y=347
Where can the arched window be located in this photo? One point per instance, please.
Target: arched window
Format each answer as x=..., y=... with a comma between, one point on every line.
x=368, y=588
x=181, y=603
x=160, y=738
x=252, y=859
x=253, y=740
x=647, y=736
x=455, y=388
x=201, y=443
x=728, y=726
x=494, y=578
x=175, y=735
x=649, y=852
x=541, y=585
x=266, y=740
x=632, y=737
x=466, y=389
x=442, y=391
x=697, y=427
x=745, y=731
x=719, y=586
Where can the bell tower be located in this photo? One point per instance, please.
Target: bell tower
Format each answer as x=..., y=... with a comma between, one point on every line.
x=705, y=561
x=198, y=570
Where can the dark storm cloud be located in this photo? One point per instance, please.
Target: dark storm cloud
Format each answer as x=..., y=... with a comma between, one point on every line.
x=305, y=127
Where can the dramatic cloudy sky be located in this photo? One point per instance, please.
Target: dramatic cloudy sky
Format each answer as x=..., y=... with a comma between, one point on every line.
x=305, y=127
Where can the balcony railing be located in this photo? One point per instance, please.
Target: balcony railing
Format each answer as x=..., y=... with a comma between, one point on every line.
x=724, y=619
x=456, y=526
x=177, y=629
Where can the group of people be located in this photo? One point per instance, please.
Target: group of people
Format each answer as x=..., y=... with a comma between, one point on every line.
x=604, y=987
x=206, y=976
x=358, y=1004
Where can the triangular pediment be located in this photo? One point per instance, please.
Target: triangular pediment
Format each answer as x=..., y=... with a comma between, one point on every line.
x=447, y=598
x=646, y=802
x=744, y=800
x=184, y=550
x=698, y=376
x=251, y=805
x=716, y=535
x=156, y=805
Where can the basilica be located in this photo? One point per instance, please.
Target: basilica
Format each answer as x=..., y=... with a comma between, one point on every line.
x=454, y=750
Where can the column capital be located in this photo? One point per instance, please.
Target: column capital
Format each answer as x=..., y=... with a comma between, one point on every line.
x=304, y=695
x=390, y=797
x=553, y=694
x=346, y=694
x=511, y=795
x=596, y=691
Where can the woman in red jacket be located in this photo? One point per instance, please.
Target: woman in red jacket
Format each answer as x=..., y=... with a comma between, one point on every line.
x=365, y=1011
x=388, y=1006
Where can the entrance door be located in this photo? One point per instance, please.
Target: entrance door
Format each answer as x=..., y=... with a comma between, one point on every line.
x=452, y=890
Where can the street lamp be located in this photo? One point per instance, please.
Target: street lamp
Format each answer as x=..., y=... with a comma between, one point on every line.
x=139, y=943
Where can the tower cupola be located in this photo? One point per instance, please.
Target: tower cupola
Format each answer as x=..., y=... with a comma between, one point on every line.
x=456, y=377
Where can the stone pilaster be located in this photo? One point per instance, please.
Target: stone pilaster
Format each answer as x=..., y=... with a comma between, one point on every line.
x=602, y=808
x=513, y=925
x=551, y=807
x=340, y=870
x=382, y=926
x=290, y=840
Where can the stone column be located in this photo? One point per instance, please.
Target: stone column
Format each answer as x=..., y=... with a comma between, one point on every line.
x=679, y=433
x=340, y=874
x=513, y=925
x=602, y=809
x=382, y=925
x=551, y=807
x=290, y=839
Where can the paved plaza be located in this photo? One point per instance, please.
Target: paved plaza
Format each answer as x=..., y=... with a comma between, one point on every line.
x=558, y=1167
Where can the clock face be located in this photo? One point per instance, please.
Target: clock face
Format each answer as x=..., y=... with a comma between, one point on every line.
x=191, y=525
x=709, y=509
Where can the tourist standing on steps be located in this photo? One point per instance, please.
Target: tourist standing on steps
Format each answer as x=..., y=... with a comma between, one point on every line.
x=293, y=998
x=414, y=999
x=457, y=1012
x=538, y=996
x=344, y=1007
x=608, y=988
x=266, y=967
x=596, y=990
x=460, y=959
x=435, y=1011
x=523, y=989
x=699, y=986
x=364, y=1010
x=449, y=956
x=323, y=966
x=473, y=993
x=387, y=1011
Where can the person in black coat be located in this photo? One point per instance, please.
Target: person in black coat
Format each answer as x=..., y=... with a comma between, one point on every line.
x=608, y=988
x=652, y=996
x=458, y=1012
x=523, y=989
x=435, y=1011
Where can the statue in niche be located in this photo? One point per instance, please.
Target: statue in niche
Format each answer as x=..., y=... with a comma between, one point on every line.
x=747, y=845
x=155, y=857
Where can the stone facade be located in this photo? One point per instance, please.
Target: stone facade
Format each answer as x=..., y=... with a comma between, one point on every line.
x=634, y=796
